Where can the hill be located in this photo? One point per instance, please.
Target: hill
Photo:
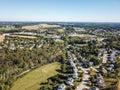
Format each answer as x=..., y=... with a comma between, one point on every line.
x=40, y=26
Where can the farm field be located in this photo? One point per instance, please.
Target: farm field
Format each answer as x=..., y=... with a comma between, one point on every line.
x=86, y=35
x=32, y=80
x=2, y=38
x=22, y=36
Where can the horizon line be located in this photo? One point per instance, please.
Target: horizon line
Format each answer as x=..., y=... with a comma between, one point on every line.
x=68, y=21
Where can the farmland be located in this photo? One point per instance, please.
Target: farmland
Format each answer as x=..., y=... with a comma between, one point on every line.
x=2, y=38
x=22, y=36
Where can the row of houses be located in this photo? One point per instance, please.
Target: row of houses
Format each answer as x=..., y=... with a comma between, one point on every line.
x=108, y=58
x=100, y=81
x=111, y=57
x=70, y=80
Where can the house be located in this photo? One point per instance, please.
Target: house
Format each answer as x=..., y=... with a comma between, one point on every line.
x=75, y=75
x=12, y=47
x=32, y=46
x=70, y=81
x=99, y=77
x=109, y=68
x=75, y=69
x=104, y=70
x=85, y=60
x=71, y=63
x=61, y=87
x=90, y=63
x=93, y=88
x=111, y=65
x=75, y=58
x=110, y=58
x=112, y=62
x=100, y=83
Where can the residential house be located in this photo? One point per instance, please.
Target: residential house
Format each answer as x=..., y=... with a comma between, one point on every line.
x=61, y=87
x=70, y=81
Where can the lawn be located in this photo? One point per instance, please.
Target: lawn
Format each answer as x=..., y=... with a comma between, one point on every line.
x=59, y=41
x=32, y=80
x=92, y=72
x=60, y=30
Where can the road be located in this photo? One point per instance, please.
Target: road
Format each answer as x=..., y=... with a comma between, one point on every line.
x=86, y=75
x=85, y=79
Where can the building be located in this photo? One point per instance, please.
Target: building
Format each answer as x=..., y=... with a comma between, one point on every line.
x=61, y=87
x=70, y=81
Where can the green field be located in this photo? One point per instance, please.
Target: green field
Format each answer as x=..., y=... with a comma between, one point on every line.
x=59, y=41
x=32, y=80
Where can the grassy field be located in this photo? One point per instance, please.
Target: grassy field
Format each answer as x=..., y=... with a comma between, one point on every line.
x=86, y=35
x=6, y=29
x=32, y=80
x=60, y=30
x=59, y=41
x=92, y=72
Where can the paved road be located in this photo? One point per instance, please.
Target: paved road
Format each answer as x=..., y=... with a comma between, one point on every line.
x=85, y=78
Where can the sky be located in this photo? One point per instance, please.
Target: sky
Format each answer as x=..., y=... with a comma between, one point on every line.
x=60, y=10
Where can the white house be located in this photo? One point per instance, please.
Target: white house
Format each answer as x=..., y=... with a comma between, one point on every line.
x=61, y=87
x=70, y=81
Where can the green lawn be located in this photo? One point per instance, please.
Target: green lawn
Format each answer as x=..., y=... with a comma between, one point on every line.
x=92, y=72
x=32, y=80
x=59, y=41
